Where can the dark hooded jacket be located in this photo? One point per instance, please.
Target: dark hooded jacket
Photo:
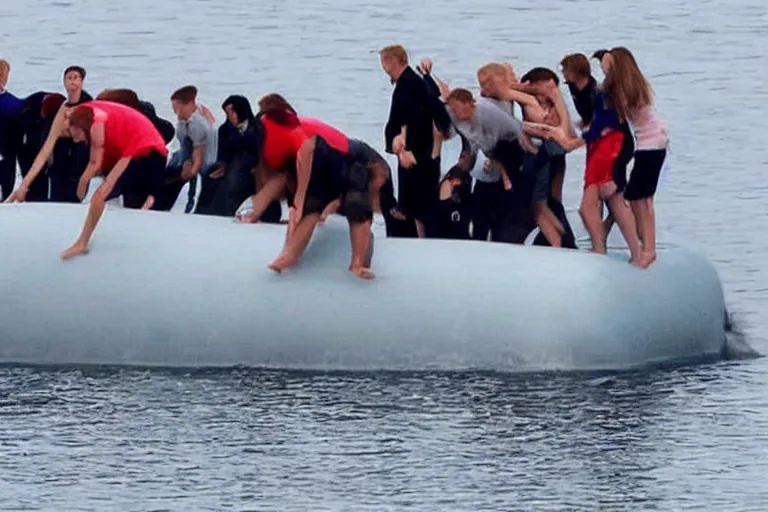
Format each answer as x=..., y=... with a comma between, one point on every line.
x=235, y=141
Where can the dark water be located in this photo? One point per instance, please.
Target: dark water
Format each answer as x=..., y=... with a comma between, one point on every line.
x=75, y=439
x=692, y=438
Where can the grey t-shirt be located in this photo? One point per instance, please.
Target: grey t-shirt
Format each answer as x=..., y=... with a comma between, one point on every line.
x=488, y=125
x=481, y=174
x=200, y=132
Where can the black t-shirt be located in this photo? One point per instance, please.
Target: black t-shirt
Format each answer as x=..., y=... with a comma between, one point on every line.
x=582, y=99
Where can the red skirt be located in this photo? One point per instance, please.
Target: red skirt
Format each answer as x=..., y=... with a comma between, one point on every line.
x=601, y=158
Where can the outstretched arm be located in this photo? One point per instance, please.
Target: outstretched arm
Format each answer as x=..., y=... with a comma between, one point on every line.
x=58, y=130
x=96, y=209
x=96, y=161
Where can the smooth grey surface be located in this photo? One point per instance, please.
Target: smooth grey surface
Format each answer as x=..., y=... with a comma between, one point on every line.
x=169, y=290
x=689, y=439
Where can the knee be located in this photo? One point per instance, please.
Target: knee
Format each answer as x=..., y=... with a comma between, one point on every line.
x=588, y=211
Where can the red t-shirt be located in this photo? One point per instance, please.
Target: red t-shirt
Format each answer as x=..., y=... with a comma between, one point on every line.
x=282, y=143
x=127, y=132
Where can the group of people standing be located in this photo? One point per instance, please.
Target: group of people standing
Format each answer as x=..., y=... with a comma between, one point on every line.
x=517, y=165
x=62, y=142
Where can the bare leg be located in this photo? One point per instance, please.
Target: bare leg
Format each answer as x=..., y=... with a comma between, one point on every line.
x=590, y=215
x=647, y=222
x=557, y=186
x=420, y=230
x=95, y=211
x=607, y=190
x=608, y=226
x=626, y=222
x=635, y=206
x=149, y=203
x=549, y=224
x=296, y=243
x=360, y=237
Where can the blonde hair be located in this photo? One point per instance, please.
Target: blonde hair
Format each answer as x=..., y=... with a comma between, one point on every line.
x=396, y=52
x=5, y=64
x=626, y=87
x=493, y=68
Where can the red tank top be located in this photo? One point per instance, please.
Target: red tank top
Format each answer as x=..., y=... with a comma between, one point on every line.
x=337, y=140
x=282, y=143
x=127, y=132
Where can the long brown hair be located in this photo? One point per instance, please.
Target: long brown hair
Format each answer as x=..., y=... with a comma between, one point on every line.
x=277, y=108
x=626, y=87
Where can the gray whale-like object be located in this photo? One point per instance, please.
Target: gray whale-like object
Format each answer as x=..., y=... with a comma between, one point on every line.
x=160, y=289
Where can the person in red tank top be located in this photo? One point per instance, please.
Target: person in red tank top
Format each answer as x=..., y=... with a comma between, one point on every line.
x=126, y=149
x=318, y=155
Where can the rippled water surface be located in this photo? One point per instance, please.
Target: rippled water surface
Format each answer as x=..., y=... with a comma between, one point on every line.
x=691, y=438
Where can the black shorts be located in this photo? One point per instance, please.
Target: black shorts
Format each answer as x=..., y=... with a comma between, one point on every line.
x=143, y=177
x=538, y=169
x=625, y=155
x=645, y=174
x=419, y=188
x=325, y=181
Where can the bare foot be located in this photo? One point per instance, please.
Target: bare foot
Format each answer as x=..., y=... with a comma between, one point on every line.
x=76, y=249
x=645, y=259
x=282, y=262
x=362, y=272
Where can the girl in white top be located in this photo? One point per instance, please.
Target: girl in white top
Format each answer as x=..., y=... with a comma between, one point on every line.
x=631, y=96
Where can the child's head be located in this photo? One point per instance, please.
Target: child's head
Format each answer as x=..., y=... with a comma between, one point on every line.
x=575, y=67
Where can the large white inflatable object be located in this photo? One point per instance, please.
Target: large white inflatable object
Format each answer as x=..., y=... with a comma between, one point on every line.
x=160, y=289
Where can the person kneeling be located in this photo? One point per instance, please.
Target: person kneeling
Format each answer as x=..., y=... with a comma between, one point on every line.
x=327, y=182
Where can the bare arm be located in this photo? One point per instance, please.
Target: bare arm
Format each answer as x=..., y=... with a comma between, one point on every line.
x=111, y=180
x=197, y=162
x=516, y=94
x=556, y=133
x=271, y=191
x=444, y=89
x=58, y=130
x=96, y=160
x=303, y=173
x=552, y=93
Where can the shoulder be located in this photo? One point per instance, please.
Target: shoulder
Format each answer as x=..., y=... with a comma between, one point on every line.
x=199, y=125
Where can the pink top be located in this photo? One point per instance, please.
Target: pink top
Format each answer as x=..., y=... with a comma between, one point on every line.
x=650, y=130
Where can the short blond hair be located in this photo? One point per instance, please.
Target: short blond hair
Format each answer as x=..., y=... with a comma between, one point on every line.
x=396, y=52
x=5, y=64
x=493, y=68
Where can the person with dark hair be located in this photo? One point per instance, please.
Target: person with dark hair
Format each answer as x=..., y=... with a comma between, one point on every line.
x=274, y=102
x=605, y=59
x=234, y=179
x=129, y=98
x=69, y=159
x=577, y=74
x=129, y=151
x=198, y=148
x=10, y=136
x=37, y=114
x=453, y=211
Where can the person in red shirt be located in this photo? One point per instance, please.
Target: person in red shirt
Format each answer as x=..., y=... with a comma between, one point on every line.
x=126, y=148
x=312, y=161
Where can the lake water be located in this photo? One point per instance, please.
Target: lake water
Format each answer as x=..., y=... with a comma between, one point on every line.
x=688, y=438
